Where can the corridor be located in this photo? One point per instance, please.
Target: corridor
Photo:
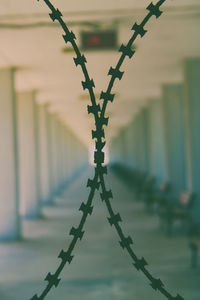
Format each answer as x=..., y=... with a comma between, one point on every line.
x=87, y=86
x=100, y=269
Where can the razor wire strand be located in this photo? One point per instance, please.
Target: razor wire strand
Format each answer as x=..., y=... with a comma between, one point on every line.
x=106, y=195
x=66, y=256
x=100, y=170
x=77, y=233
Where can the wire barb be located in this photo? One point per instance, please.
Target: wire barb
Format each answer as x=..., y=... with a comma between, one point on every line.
x=115, y=73
x=115, y=219
x=52, y=279
x=127, y=51
x=107, y=96
x=140, y=264
x=65, y=256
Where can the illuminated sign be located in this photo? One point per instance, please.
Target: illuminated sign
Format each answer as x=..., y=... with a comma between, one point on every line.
x=99, y=40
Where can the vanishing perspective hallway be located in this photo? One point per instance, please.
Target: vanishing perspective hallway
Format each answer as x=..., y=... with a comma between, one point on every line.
x=87, y=86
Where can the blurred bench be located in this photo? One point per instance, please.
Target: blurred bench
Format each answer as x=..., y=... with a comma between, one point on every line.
x=139, y=182
x=181, y=211
x=194, y=244
x=148, y=191
x=161, y=196
x=124, y=173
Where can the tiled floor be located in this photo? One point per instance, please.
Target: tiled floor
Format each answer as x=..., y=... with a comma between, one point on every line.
x=100, y=269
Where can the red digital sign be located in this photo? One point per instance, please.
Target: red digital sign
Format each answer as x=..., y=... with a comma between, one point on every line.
x=99, y=40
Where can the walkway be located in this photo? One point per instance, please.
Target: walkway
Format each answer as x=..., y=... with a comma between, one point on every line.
x=100, y=269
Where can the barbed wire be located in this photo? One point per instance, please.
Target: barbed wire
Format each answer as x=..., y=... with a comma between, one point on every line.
x=99, y=135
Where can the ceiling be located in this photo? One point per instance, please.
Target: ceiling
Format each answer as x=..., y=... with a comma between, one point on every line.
x=30, y=41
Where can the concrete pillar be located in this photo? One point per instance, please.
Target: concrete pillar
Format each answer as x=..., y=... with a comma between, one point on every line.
x=76, y=157
x=50, y=157
x=172, y=105
x=28, y=140
x=116, y=150
x=9, y=195
x=140, y=142
x=54, y=157
x=156, y=142
x=135, y=136
x=84, y=156
x=66, y=154
x=145, y=117
x=123, y=140
x=137, y=139
x=129, y=146
x=122, y=147
x=69, y=152
x=57, y=153
x=45, y=159
x=58, y=158
x=72, y=153
x=192, y=123
x=76, y=154
x=132, y=145
x=113, y=151
x=79, y=153
x=143, y=141
x=62, y=153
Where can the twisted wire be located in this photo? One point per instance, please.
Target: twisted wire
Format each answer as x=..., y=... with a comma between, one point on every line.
x=100, y=120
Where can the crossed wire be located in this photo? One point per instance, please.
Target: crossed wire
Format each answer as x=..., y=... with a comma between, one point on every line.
x=98, y=180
